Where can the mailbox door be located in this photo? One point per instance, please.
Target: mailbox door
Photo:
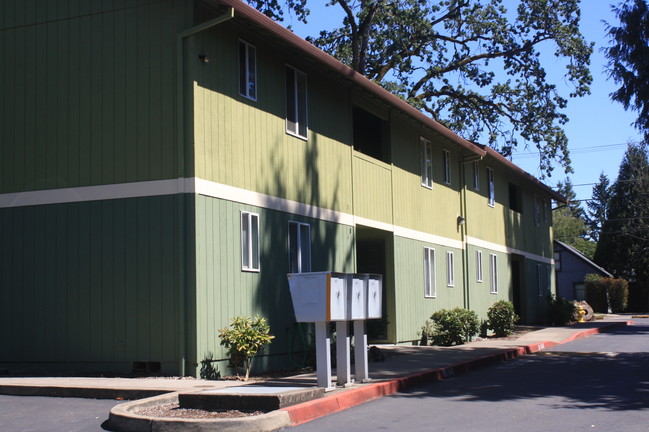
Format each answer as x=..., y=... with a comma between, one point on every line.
x=357, y=298
x=374, y=296
x=337, y=301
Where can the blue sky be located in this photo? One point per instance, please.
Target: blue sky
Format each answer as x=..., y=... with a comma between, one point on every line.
x=598, y=129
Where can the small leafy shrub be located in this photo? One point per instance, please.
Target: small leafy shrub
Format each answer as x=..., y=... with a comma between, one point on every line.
x=560, y=310
x=426, y=333
x=243, y=339
x=596, y=293
x=501, y=318
x=454, y=327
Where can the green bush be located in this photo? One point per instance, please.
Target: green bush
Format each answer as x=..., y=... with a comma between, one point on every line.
x=501, y=318
x=596, y=293
x=560, y=310
x=604, y=293
x=618, y=294
x=426, y=333
x=243, y=339
x=454, y=327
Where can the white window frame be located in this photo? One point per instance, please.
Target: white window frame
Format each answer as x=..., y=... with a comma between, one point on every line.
x=430, y=279
x=557, y=261
x=250, y=239
x=493, y=273
x=478, y=265
x=447, y=166
x=491, y=188
x=247, y=70
x=539, y=283
x=476, y=176
x=450, y=269
x=426, y=162
x=299, y=126
x=303, y=257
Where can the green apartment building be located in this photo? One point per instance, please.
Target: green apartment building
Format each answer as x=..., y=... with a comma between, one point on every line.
x=165, y=163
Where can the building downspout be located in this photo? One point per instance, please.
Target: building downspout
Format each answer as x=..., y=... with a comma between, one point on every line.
x=182, y=172
x=464, y=230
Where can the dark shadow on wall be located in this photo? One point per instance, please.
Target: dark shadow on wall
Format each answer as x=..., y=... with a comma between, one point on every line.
x=332, y=249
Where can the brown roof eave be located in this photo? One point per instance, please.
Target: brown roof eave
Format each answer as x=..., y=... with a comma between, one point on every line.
x=259, y=19
x=525, y=175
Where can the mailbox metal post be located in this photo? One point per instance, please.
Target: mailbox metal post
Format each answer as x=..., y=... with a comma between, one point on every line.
x=343, y=355
x=323, y=355
x=361, y=372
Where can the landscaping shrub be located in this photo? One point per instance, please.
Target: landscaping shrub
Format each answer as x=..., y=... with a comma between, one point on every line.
x=560, y=310
x=596, y=293
x=618, y=294
x=243, y=339
x=454, y=327
x=604, y=294
x=501, y=318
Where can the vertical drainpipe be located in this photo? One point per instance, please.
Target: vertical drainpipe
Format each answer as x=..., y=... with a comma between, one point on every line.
x=182, y=171
x=463, y=232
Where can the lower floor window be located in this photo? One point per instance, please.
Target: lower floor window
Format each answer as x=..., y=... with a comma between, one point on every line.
x=493, y=271
x=299, y=247
x=429, y=273
x=249, y=241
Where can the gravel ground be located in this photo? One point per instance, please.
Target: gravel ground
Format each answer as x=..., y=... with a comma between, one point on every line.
x=174, y=411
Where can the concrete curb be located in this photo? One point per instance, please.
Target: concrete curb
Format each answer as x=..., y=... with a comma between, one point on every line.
x=123, y=418
x=79, y=392
x=311, y=410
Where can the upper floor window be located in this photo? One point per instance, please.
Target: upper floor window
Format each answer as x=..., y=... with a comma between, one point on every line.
x=430, y=289
x=515, y=198
x=299, y=247
x=545, y=210
x=247, y=70
x=537, y=210
x=249, y=241
x=296, y=115
x=476, y=176
x=491, y=190
x=426, y=162
x=447, y=167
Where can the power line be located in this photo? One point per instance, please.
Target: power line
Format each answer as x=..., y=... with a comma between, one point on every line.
x=579, y=150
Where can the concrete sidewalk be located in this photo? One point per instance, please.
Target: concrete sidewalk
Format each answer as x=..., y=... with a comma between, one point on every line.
x=403, y=367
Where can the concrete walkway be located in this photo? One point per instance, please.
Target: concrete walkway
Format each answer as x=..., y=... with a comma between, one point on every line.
x=403, y=367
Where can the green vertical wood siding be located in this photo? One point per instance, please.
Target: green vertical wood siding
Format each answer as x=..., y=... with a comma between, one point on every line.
x=244, y=143
x=224, y=291
x=88, y=93
x=91, y=282
x=412, y=307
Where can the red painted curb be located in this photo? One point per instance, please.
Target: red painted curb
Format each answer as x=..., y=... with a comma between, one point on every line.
x=311, y=410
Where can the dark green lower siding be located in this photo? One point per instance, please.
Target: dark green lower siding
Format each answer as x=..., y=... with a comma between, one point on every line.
x=90, y=283
x=224, y=291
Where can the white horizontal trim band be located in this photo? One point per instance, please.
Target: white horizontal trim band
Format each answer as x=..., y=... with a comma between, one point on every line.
x=505, y=249
x=217, y=190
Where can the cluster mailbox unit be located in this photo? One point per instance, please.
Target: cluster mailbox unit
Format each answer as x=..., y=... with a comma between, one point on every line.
x=323, y=297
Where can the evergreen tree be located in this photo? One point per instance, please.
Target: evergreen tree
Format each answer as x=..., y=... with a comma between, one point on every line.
x=623, y=247
x=597, y=207
x=568, y=222
x=629, y=59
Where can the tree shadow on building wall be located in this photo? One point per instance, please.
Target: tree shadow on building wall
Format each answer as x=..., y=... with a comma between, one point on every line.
x=332, y=249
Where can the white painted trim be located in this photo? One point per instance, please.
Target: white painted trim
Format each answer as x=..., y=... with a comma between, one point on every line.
x=506, y=249
x=94, y=193
x=427, y=238
x=217, y=190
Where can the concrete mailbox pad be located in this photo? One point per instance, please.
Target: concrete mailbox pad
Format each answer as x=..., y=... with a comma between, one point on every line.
x=249, y=398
